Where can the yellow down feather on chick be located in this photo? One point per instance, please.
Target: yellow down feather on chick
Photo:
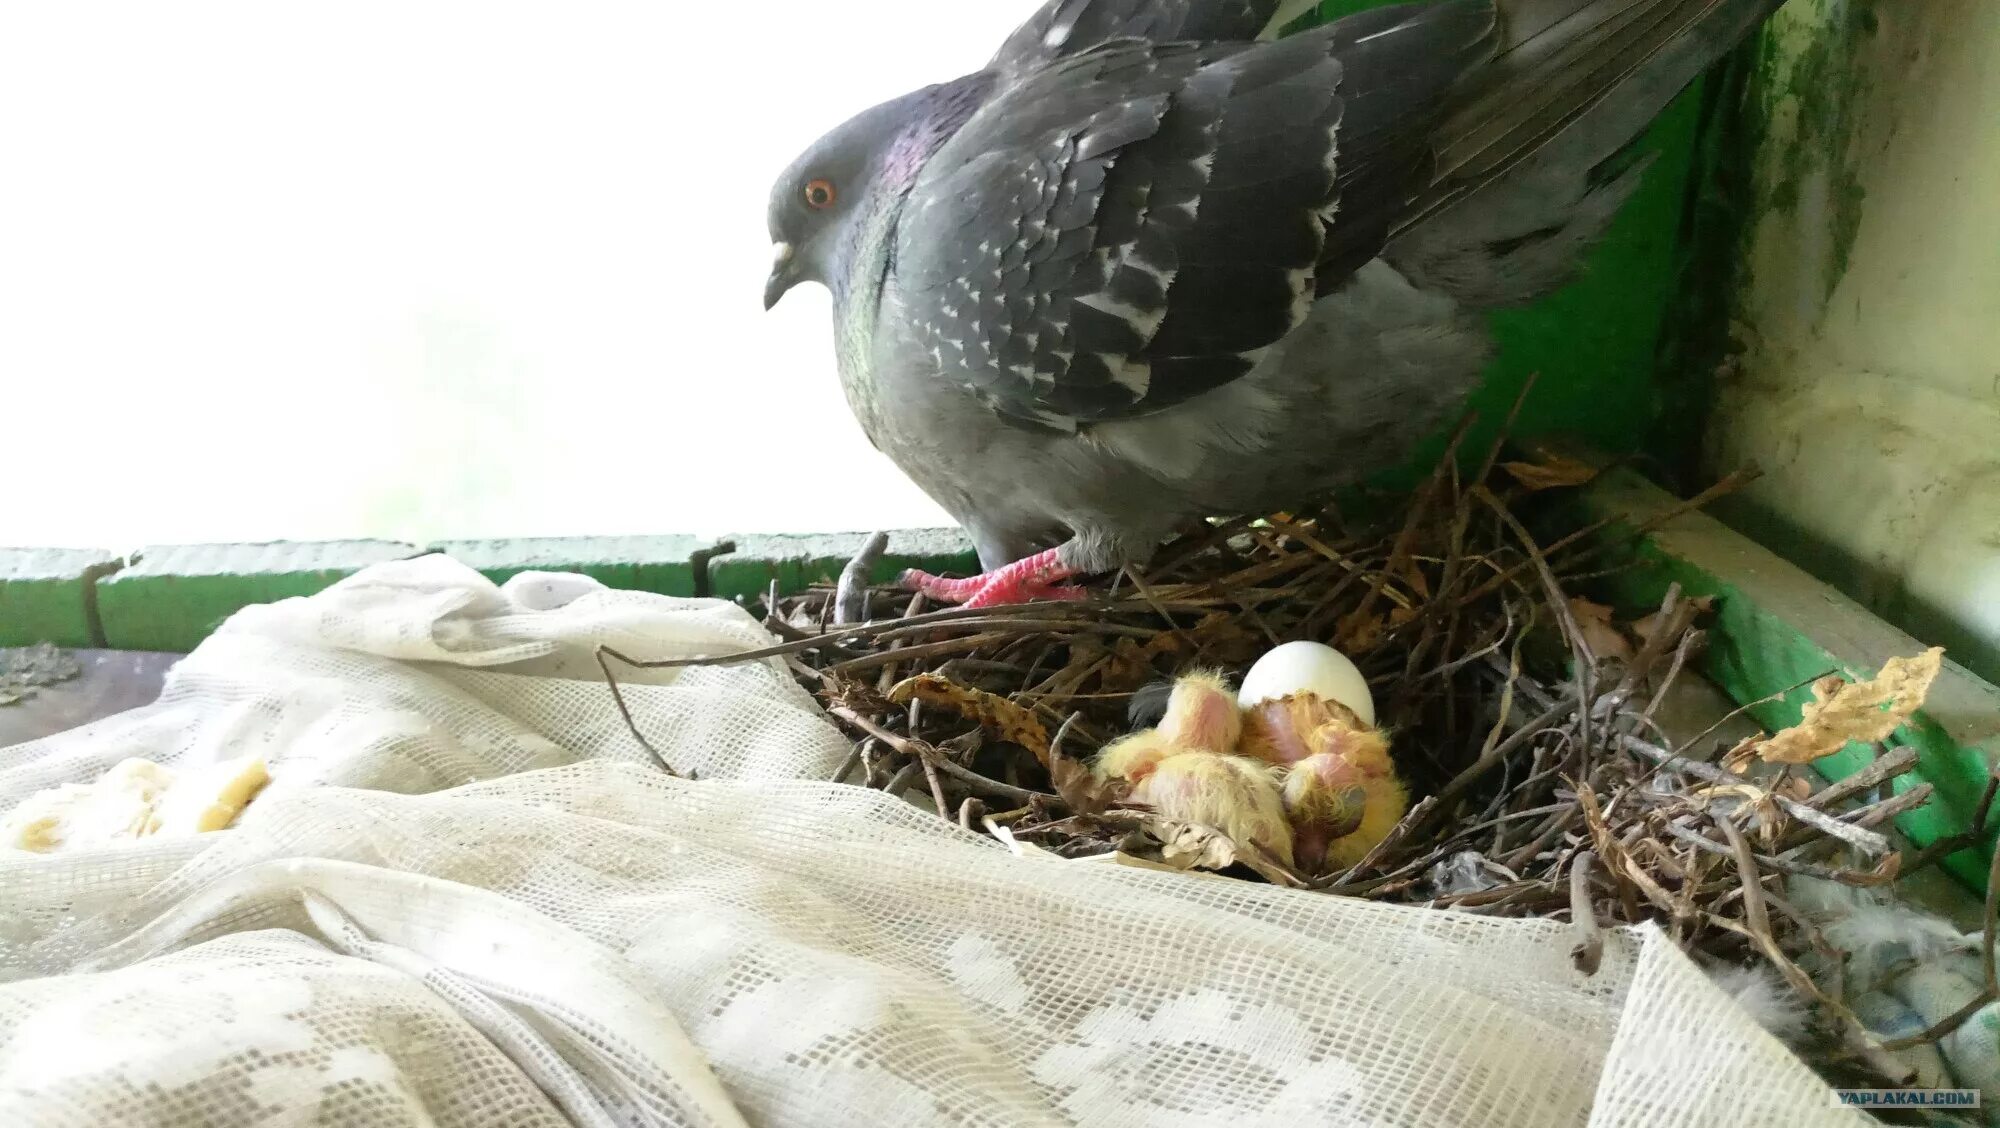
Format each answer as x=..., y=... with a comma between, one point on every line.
x=1232, y=794
x=1340, y=787
x=1186, y=772
x=1133, y=757
x=1338, y=813
x=1202, y=714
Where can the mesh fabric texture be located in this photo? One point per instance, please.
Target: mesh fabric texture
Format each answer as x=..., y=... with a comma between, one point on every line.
x=469, y=898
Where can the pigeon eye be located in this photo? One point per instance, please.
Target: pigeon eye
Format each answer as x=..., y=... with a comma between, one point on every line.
x=820, y=195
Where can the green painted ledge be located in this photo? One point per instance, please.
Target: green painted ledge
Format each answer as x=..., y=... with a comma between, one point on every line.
x=663, y=565
x=797, y=561
x=170, y=597
x=49, y=595
x=1778, y=627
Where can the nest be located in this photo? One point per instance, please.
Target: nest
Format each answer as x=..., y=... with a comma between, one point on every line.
x=1523, y=722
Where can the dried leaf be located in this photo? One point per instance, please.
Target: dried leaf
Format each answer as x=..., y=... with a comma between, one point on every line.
x=1011, y=721
x=1748, y=792
x=1187, y=846
x=1617, y=860
x=1686, y=613
x=1739, y=758
x=1864, y=711
x=1412, y=575
x=1129, y=664
x=1223, y=638
x=1768, y=817
x=1552, y=472
x=1600, y=636
x=1360, y=631
x=1080, y=787
x=854, y=695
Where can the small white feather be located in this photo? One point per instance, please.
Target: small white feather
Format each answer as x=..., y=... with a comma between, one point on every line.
x=1765, y=997
x=1880, y=937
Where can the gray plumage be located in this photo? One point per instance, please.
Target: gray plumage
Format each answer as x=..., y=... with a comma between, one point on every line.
x=1144, y=267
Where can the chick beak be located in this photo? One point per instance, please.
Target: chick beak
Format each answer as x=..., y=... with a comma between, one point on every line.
x=782, y=277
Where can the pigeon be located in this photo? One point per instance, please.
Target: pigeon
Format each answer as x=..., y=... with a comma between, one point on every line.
x=1155, y=263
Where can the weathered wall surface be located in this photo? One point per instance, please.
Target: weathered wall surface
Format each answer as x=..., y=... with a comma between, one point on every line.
x=1868, y=312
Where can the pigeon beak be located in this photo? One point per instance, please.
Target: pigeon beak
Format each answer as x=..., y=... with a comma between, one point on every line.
x=782, y=278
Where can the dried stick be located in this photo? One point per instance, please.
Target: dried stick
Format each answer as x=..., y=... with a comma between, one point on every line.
x=618, y=698
x=1867, y=779
x=1861, y=839
x=850, y=600
x=1496, y=754
x=1588, y=952
x=1701, y=841
x=847, y=766
x=1965, y=840
x=920, y=750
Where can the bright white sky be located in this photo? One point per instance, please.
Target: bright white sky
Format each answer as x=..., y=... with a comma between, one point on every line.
x=420, y=269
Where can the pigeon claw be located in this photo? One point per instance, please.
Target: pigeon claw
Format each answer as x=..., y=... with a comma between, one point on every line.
x=1023, y=581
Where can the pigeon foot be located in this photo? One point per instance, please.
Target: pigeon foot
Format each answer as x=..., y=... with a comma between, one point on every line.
x=1023, y=581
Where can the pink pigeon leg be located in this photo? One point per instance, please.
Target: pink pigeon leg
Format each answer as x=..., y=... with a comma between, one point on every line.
x=1020, y=582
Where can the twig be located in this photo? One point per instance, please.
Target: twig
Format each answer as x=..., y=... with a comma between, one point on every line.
x=1588, y=951
x=1062, y=735
x=1689, y=642
x=937, y=785
x=1745, y=708
x=1783, y=865
x=1586, y=673
x=1498, y=753
x=1974, y=835
x=1146, y=593
x=970, y=812
x=1864, y=840
x=850, y=600
x=901, y=780
x=847, y=766
x=618, y=698
x=1867, y=779
x=1757, y=928
x=1350, y=881
x=923, y=751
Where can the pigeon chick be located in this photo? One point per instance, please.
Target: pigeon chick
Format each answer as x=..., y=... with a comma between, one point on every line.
x=1183, y=768
x=1145, y=268
x=1200, y=716
x=1235, y=795
x=1340, y=787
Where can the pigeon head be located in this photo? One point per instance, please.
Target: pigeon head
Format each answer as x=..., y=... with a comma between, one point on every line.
x=846, y=187
x=823, y=202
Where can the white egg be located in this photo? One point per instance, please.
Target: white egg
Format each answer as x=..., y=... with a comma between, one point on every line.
x=1310, y=666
